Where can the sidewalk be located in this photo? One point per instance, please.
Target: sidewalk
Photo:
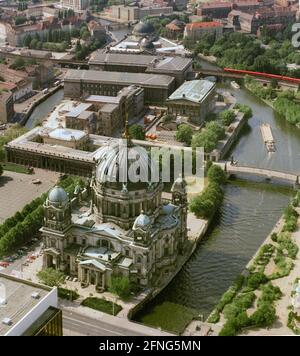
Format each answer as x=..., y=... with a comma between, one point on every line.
x=286, y=286
x=112, y=320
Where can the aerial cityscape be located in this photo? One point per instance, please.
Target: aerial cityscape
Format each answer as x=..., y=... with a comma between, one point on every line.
x=149, y=168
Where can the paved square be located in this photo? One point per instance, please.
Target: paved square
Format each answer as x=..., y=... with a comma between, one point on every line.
x=17, y=190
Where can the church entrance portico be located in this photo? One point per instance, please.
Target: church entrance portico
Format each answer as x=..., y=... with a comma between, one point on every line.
x=89, y=275
x=51, y=259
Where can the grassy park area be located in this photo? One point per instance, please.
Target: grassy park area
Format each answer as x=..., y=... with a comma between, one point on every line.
x=102, y=305
x=169, y=316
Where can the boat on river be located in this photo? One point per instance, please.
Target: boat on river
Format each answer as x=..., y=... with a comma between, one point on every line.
x=235, y=85
x=267, y=136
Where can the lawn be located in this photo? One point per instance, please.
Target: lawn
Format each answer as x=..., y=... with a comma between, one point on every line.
x=102, y=305
x=169, y=316
x=15, y=168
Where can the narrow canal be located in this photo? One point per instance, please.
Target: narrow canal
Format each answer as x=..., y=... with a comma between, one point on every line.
x=42, y=110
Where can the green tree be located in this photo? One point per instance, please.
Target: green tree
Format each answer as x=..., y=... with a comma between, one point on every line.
x=216, y=174
x=19, y=20
x=184, y=134
x=205, y=139
x=227, y=117
x=34, y=43
x=229, y=329
x=1, y=170
x=245, y=109
x=27, y=40
x=255, y=279
x=137, y=132
x=51, y=277
x=120, y=286
x=216, y=129
x=264, y=316
x=274, y=83
x=49, y=36
x=78, y=47
x=205, y=204
x=202, y=207
x=18, y=63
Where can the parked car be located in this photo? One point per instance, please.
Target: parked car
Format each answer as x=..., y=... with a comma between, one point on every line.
x=36, y=181
x=4, y=264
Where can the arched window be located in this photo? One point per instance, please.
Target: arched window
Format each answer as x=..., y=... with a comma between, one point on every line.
x=105, y=243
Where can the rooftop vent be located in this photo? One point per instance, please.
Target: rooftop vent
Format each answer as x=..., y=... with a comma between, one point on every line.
x=35, y=295
x=7, y=321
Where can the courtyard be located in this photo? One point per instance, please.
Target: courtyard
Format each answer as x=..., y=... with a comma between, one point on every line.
x=17, y=190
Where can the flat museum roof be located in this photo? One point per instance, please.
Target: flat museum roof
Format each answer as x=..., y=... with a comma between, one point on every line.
x=194, y=90
x=67, y=134
x=126, y=79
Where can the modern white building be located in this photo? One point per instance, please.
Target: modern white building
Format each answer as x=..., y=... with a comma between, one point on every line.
x=76, y=5
x=28, y=308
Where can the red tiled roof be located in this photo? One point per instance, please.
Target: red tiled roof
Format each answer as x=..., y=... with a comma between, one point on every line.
x=215, y=5
x=7, y=86
x=203, y=25
x=171, y=26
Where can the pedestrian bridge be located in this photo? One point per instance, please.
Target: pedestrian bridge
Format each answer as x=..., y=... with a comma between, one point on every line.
x=290, y=178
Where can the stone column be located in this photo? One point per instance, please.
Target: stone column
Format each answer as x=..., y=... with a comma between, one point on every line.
x=103, y=280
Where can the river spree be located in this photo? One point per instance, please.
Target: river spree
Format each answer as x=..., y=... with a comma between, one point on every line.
x=246, y=217
x=250, y=149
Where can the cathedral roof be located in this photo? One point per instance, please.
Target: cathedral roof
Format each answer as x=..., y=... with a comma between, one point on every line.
x=179, y=185
x=115, y=162
x=94, y=263
x=147, y=44
x=143, y=29
x=58, y=196
x=142, y=221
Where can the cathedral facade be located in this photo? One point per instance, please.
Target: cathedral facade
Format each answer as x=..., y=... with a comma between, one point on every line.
x=117, y=229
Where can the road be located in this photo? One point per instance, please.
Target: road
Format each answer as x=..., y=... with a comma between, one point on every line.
x=78, y=324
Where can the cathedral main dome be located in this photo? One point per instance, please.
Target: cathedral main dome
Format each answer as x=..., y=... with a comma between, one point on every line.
x=123, y=187
x=122, y=164
x=143, y=29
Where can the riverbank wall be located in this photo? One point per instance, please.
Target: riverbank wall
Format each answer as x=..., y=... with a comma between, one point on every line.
x=27, y=114
x=232, y=135
x=152, y=293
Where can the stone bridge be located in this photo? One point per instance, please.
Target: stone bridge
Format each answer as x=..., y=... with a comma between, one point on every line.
x=231, y=169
